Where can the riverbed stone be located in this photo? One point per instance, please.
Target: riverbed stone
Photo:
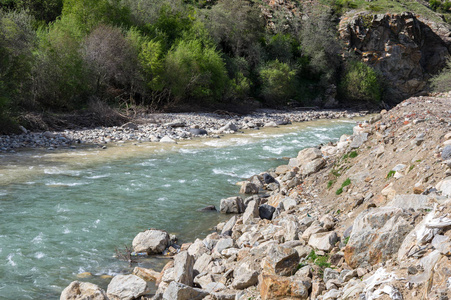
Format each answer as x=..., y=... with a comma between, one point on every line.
x=280, y=261
x=197, y=249
x=152, y=241
x=323, y=241
x=307, y=155
x=126, y=287
x=245, y=275
x=251, y=212
x=180, y=291
x=183, y=268
x=146, y=274
x=83, y=291
x=313, y=166
x=446, y=152
x=281, y=287
x=232, y=205
x=227, y=229
x=377, y=235
x=201, y=263
x=266, y=211
x=248, y=188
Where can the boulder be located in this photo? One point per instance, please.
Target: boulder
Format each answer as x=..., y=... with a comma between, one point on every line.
x=307, y=155
x=227, y=229
x=314, y=228
x=152, y=241
x=175, y=123
x=197, y=249
x=224, y=244
x=267, y=178
x=83, y=291
x=248, y=188
x=280, y=261
x=411, y=201
x=446, y=152
x=197, y=131
x=281, y=287
x=323, y=241
x=376, y=236
x=313, y=166
x=126, y=287
x=245, y=275
x=266, y=211
x=168, y=140
x=201, y=263
x=183, y=268
x=251, y=212
x=358, y=140
x=180, y=291
x=232, y=205
x=230, y=126
x=146, y=274
x=444, y=186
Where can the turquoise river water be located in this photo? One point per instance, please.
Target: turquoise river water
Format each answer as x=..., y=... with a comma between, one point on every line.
x=64, y=212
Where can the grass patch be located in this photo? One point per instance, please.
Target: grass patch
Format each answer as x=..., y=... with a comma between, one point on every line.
x=353, y=154
x=411, y=167
x=346, y=240
x=345, y=183
x=390, y=174
x=339, y=191
x=330, y=183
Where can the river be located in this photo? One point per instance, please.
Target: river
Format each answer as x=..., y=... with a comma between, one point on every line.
x=64, y=212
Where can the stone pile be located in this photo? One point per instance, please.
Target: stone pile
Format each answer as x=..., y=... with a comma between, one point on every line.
x=367, y=217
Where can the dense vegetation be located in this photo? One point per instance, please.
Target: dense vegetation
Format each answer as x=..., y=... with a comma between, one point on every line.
x=64, y=55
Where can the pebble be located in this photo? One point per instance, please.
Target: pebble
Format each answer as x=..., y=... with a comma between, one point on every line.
x=175, y=126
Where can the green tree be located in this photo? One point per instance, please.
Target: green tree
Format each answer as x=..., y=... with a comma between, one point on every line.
x=361, y=83
x=44, y=11
x=277, y=82
x=193, y=71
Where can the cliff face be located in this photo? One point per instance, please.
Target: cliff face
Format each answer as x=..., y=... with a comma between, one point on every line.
x=406, y=49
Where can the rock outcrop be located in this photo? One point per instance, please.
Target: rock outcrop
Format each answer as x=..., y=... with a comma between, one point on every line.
x=404, y=48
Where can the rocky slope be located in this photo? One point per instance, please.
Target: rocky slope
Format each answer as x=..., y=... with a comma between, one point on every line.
x=367, y=217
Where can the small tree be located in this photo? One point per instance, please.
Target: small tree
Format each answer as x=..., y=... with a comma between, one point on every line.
x=361, y=83
x=277, y=82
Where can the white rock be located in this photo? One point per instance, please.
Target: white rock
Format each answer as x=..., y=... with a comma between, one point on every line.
x=126, y=287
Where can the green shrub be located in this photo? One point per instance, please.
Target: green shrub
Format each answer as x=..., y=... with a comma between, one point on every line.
x=361, y=83
x=277, y=81
x=346, y=182
x=353, y=154
x=194, y=71
x=339, y=191
x=390, y=174
x=330, y=183
x=442, y=81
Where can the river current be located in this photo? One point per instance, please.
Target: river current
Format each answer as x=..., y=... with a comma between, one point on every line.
x=64, y=212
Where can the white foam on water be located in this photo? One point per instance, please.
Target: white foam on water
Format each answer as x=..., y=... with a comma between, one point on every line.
x=182, y=180
x=57, y=171
x=10, y=260
x=98, y=176
x=162, y=199
x=55, y=183
x=166, y=185
x=224, y=172
x=39, y=255
x=188, y=151
x=277, y=149
x=38, y=239
x=66, y=230
x=97, y=221
x=3, y=193
x=60, y=209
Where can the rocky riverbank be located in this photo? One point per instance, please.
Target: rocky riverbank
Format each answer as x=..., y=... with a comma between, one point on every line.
x=169, y=128
x=366, y=217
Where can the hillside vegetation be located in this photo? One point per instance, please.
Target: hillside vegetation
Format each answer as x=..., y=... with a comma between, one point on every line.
x=66, y=55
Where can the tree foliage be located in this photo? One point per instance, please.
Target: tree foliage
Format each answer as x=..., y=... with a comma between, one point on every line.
x=361, y=83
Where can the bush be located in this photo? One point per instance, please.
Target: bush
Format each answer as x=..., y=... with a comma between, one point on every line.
x=442, y=81
x=193, y=71
x=277, y=81
x=361, y=83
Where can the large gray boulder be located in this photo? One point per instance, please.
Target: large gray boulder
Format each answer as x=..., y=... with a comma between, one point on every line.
x=313, y=166
x=183, y=268
x=245, y=275
x=152, y=241
x=232, y=205
x=126, y=287
x=180, y=291
x=323, y=241
x=377, y=235
x=280, y=261
x=307, y=155
x=83, y=291
x=251, y=212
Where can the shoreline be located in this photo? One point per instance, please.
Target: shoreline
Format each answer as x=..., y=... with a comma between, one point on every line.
x=310, y=238
x=165, y=128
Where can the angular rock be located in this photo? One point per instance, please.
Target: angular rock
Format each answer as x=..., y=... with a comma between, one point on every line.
x=280, y=261
x=266, y=211
x=245, y=275
x=83, y=291
x=307, y=155
x=411, y=201
x=281, y=287
x=268, y=178
x=377, y=235
x=227, y=229
x=232, y=205
x=201, y=263
x=146, y=274
x=444, y=186
x=248, y=188
x=224, y=243
x=183, y=268
x=197, y=249
x=179, y=291
x=358, y=140
x=323, y=241
x=314, y=228
x=168, y=140
x=251, y=212
x=313, y=166
x=197, y=131
x=446, y=152
x=126, y=287
x=152, y=241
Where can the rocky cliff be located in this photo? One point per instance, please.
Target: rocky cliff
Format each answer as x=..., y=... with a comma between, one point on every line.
x=404, y=48
x=366, y=217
